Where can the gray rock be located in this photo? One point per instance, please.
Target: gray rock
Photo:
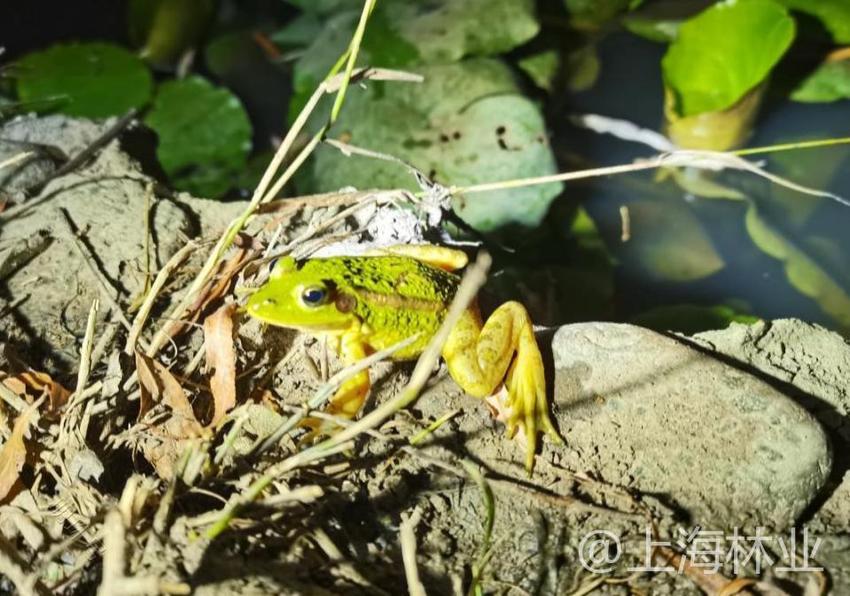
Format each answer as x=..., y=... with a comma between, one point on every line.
x=643, y=410
x=817, y=362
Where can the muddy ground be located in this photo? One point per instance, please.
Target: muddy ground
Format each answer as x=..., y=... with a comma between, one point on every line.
x=679, y=450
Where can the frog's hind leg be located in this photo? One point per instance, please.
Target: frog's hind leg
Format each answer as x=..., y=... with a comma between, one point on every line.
x=442, y=257
x=504, y=349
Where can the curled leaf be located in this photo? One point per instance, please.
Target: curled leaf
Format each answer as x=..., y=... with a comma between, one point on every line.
x=167, y=440
x=13, y=455
x=35, y=384
x=221, y=356
x=803, y=272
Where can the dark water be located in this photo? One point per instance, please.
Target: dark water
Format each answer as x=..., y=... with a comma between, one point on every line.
x=630, y=88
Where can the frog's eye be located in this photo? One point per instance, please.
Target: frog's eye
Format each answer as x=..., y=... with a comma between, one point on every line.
x=314, y=295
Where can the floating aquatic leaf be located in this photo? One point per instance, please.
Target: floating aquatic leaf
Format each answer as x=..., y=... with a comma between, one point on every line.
x=93, y=80
x=691, y=318
x=803, y=272
x=669, y=243
x=830, y=82
x=715, y=60
x=464, y=125
x=204, y=135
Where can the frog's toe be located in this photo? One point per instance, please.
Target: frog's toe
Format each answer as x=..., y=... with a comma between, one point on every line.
x=529, y=407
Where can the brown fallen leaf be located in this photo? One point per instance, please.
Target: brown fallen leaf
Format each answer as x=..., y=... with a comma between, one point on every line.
x=167, y=439
x=13, y=454
x=34, y=384
x=221, y=356
x=158, y=385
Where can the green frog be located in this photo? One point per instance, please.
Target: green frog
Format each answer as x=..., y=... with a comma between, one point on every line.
x=371, y=302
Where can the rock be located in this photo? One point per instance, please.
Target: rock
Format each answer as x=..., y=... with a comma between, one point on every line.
x=643, y=410
x=46, y=279
x=815, y=361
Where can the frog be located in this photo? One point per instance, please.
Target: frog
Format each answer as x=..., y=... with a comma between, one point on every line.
x=372, y=301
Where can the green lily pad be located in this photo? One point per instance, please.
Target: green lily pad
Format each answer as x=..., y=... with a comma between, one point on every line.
x=724, y=52
x=806, y=275
x=669, y=242
x=830, y=82
x=465, y=124
x=834, y=14
x=92, y=80
x=691, y=318
x=204, y=135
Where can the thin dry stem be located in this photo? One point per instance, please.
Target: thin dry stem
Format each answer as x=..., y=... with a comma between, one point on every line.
x=407, y=532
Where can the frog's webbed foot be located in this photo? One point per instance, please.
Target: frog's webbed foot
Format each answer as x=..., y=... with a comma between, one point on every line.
x=526, y=398
x=504, y=350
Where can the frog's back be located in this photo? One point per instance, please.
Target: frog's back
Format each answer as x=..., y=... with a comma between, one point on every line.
x=394, y=296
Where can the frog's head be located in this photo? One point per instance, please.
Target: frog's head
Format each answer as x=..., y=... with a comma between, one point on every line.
x=300, y=297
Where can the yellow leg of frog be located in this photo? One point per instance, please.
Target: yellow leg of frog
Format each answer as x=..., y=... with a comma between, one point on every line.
x=442, y=257
x=349, y=398
x=480, y=358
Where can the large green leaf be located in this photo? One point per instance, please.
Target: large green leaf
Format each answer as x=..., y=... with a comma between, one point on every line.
x=464, y=125
x=401, y=33
x=93, y=80
x=830, y=82
x=204, y=135
x=834, y=14
x=448, y=30
x=724, y=52
x=803, y=272
x=669, y=242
